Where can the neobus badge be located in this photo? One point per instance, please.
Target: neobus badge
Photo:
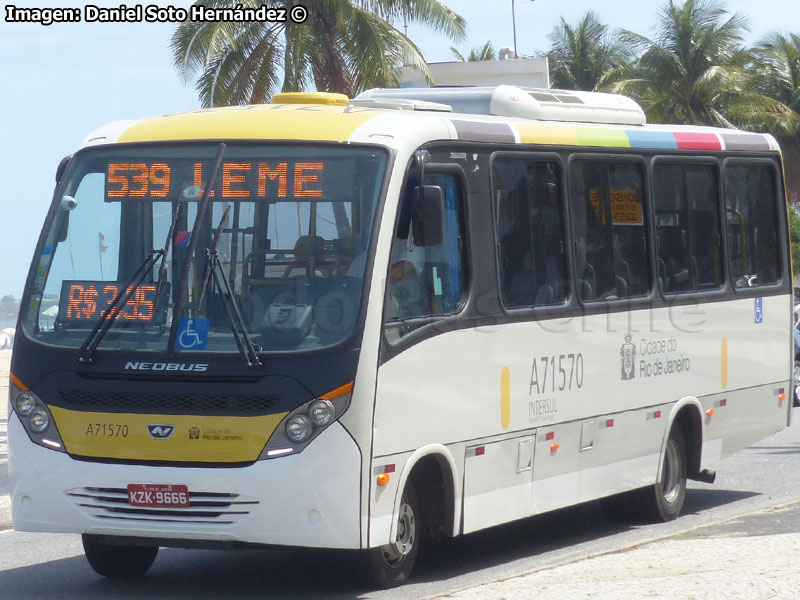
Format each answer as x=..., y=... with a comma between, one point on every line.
x=162, y=366
x=160, y=432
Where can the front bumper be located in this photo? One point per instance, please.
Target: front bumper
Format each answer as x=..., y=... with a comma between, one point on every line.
x=309, y=499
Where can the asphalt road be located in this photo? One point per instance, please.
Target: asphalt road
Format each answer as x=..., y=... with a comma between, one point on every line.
x=762, y=477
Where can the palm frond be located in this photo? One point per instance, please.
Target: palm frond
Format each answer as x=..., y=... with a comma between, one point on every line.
x=429, y=13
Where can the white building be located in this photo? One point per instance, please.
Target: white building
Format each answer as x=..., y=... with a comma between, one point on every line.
x=525, y=72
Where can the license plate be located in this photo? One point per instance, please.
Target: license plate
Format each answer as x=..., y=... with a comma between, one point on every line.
x=158, y=495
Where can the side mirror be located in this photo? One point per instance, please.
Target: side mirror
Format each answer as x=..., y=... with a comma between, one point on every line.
x=428, y=216
x=62, y=166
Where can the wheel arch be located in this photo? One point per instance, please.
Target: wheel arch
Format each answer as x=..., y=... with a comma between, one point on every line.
x=426, y=467
x=686, y=414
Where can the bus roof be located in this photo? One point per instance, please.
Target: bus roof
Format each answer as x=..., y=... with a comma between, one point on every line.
x=393, y=128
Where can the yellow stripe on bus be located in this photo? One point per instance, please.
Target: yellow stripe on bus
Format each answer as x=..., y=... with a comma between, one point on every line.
x=268, y=122
x=193, y=439
x=505, y=398
x=557, y=135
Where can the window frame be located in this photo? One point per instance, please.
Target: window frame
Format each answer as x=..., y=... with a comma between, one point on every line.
x=693, y=160
x=421, y=324
x=556, y=158
x=645, y=171
x=781, y=206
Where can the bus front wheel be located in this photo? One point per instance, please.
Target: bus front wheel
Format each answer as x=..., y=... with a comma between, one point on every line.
x=391, y=565
x=667, y=495
x=118, y=560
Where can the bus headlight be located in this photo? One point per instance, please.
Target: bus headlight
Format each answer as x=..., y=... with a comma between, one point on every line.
x=39, y=420
x=321, y=412
x=24, y=404
x=299, y=428
x=34, y=416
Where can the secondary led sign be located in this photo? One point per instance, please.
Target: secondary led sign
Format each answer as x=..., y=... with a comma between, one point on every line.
x=90, y=301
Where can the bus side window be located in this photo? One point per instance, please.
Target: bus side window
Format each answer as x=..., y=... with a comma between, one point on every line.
x=607, y=199
x=688, y=251
x=752, y=225
x=427, y=280
x=530, y=232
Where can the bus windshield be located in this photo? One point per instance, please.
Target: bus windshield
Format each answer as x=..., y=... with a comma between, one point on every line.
x=283, y=242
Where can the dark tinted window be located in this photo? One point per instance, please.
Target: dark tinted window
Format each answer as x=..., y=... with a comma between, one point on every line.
x=752, y=225
x=608, y=221
x=689, y=255
x=530, y=232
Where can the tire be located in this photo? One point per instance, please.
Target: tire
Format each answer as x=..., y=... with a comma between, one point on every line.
x=796, y=382
x=116, y=560
x=664, y=500
x=391, y=565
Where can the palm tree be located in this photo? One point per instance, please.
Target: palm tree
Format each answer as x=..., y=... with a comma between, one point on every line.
x=344, y=46
x=485, y=52
x=778, y=59
x=584, y=56
x=695, y=72
x=778, y=66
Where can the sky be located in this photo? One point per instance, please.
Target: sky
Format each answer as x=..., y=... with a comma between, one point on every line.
x=62, y=81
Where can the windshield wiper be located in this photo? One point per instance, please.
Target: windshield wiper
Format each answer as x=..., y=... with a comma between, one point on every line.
x=162, y=272
x=184, y=281
x=124, y=293
x=233, y=313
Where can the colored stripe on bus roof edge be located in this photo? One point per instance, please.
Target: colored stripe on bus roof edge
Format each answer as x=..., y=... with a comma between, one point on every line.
x=568, y=135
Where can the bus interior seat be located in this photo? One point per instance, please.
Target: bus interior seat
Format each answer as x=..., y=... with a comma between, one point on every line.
x=662, y=273
x=588, y=282
x=555, y=287
x=347, y=249
x=622, y=286
x=672, y=246
x=623, y=277
x=307, y=249
x=545, y=294
x=586, y=290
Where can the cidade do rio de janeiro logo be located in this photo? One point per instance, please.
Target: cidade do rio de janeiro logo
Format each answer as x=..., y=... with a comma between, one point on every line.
x=627, y=355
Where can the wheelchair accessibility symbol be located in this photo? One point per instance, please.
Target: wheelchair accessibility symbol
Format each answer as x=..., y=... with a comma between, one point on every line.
x=192, y=334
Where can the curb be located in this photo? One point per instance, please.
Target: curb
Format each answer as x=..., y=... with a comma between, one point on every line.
x=634, y=546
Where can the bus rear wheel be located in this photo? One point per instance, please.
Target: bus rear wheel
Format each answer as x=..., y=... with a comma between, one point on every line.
x=391, y=565
x=664, y=500
x=117, y=560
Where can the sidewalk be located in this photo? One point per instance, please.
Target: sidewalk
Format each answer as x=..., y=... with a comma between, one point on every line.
x=727, y=561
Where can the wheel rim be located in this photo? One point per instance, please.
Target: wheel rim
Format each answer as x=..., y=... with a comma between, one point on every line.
x=671, y=476
x=396, y=552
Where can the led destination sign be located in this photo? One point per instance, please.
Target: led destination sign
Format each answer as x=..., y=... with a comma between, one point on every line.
x=89, y=301
x=240, y=180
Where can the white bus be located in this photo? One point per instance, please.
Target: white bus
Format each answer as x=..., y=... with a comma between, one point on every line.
x=253, y=326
